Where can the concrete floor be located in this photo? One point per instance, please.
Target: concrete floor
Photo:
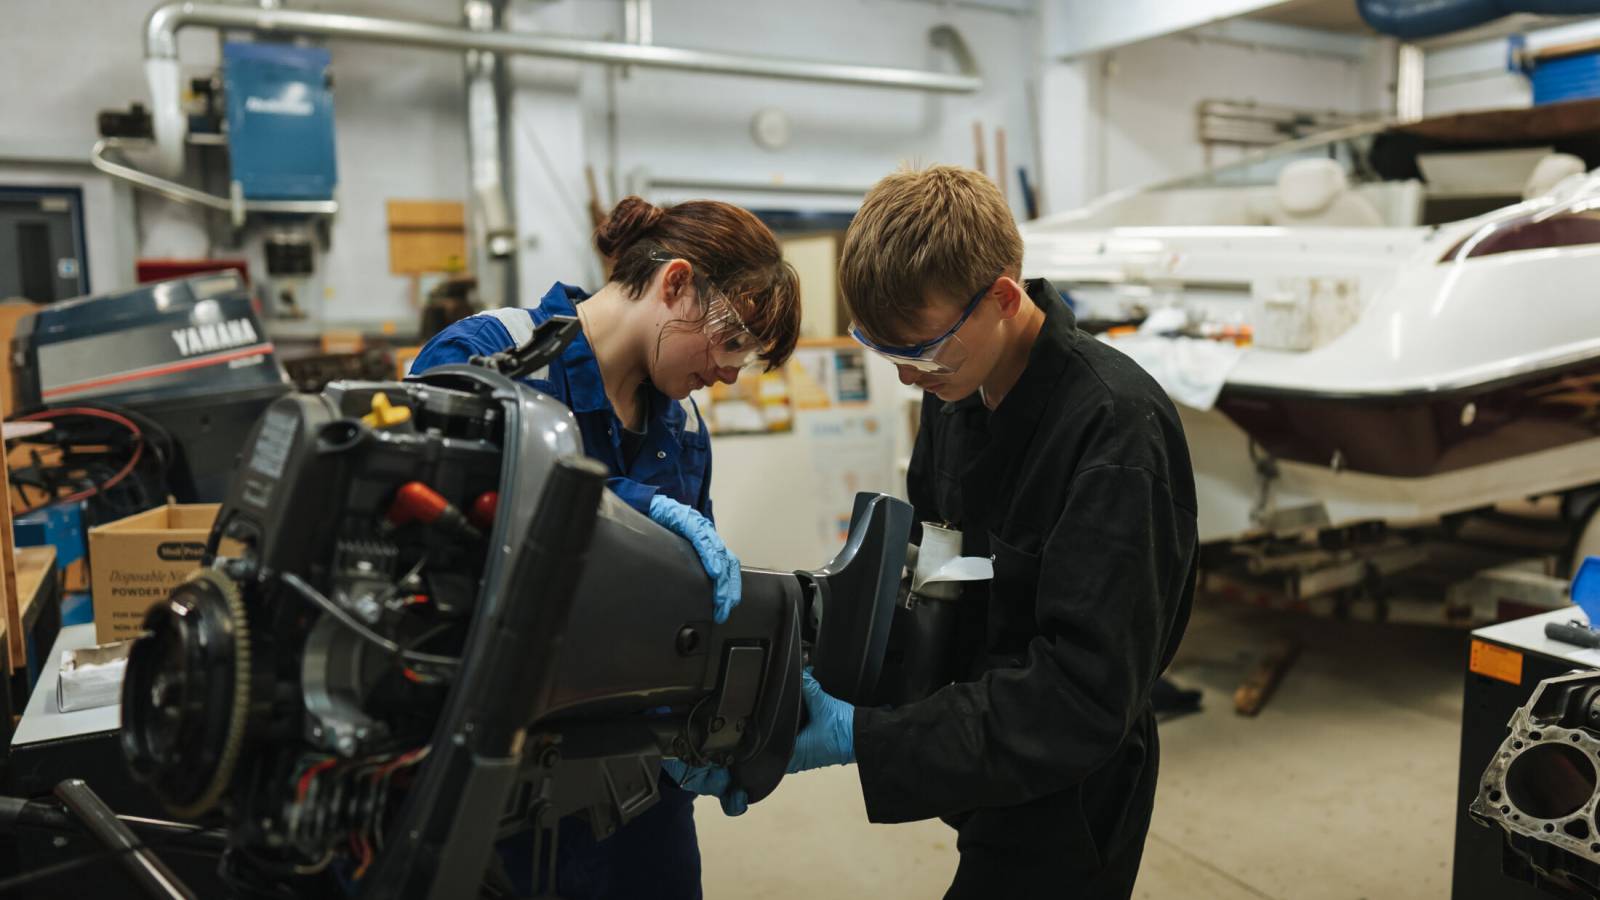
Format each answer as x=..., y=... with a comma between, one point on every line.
x=1344, y=787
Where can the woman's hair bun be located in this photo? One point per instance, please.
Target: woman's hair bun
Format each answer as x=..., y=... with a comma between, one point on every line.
x=631, y=219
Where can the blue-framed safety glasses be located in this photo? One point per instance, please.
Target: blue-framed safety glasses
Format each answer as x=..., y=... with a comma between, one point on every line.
x=941, y=356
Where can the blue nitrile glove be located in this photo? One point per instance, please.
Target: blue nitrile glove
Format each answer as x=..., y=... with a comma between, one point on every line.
x=721, y=565
x=711, y=780
x=829, y=738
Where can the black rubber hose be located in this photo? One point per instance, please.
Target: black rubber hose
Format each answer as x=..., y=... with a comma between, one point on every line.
x=146, y=869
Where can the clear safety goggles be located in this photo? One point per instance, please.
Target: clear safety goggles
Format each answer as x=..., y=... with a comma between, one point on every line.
x=942, y=355
x=733, y=344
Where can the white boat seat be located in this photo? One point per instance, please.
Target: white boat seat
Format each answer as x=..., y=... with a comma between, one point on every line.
x=1551, y=170
x=1316, y=193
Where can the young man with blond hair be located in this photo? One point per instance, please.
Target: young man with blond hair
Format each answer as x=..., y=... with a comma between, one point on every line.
x=1062, y=460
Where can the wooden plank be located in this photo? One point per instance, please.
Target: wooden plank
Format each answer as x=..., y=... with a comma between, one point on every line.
x=427, y=252
x=1574, y=48
x=17, y=654
x=1253, y=694
x=448, y=215
x=1000, y=164
x=427, y=236
x=11, y=313
x=34, y=565
x=1349, y=574
x=1555, y=121
x=597, y=211
x=336, y=340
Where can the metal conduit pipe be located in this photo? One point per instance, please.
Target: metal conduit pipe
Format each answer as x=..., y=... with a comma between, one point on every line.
x=161, y=56
x=493, y=225
x=161, y=30
x=182, y=193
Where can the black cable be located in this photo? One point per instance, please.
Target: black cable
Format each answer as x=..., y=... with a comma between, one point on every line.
x=160, y=441
x=87, y=471
x=425, y=637
x=27, y=878
x=344, y=618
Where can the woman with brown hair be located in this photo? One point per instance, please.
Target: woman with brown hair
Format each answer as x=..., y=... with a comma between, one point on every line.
x=698, y=291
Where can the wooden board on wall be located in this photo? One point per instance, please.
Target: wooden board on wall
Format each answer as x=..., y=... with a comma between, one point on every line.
x=11, y=312
x=427, y=236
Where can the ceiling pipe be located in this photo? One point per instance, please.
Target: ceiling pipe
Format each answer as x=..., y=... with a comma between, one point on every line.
x=162, y=28
x=170, y=125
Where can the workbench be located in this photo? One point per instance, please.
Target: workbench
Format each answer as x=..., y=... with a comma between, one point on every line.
x=1507, y=662
x=43, y=719
x=49, y=746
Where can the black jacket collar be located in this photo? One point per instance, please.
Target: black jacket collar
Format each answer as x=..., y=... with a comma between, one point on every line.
x=1012, y=426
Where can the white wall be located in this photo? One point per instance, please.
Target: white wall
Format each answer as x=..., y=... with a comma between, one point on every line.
x=1143, y=100
x=401, y=134
x=400, y=119
x=1072, y=125
x=687, y=126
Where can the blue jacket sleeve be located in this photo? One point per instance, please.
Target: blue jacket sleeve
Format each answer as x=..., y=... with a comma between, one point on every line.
x=636, y=494
x=704, y=503
x=473, y=336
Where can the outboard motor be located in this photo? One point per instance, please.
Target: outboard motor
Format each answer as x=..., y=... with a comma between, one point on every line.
x=189, y=354
x=424, y=625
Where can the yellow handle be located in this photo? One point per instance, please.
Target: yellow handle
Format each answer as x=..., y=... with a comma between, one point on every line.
x=384, y=414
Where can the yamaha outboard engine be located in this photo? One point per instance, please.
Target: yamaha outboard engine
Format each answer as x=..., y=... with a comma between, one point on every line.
x=189, y=354
x=424, y=626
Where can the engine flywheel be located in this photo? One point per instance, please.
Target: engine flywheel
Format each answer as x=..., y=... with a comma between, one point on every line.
x=186, y=693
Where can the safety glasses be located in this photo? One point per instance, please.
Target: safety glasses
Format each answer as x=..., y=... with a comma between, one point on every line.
x=733, y=345
x=941, y=356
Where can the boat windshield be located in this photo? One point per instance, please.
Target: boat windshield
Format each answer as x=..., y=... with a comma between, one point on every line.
x=1351, y=147
x=1567, y=216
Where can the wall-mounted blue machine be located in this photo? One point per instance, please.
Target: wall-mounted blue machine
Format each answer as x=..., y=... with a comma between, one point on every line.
x=271, y=107
x=280, y=121
x=277, y=123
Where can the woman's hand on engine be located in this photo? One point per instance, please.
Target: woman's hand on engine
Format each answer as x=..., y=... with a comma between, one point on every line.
x=719, y=562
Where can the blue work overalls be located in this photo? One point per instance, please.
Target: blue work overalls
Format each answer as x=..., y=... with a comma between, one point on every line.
x=655, y=855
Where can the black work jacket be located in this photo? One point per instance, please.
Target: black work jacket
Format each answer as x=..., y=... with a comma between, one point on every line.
x=1079, y=486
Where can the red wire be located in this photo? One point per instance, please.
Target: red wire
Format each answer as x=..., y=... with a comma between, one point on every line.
x=360, y=840
x=405, y=759
x=91, y=412
x=305, y=780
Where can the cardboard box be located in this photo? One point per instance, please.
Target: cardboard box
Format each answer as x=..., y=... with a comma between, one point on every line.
x=136, y=561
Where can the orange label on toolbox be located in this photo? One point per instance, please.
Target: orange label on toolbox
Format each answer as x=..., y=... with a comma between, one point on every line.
x=1496, y=662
